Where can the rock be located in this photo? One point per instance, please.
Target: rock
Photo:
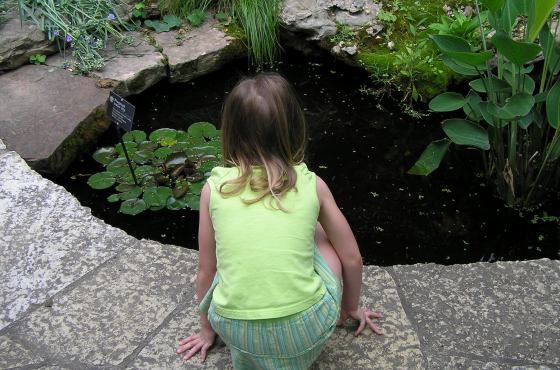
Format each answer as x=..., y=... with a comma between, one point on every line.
x=129, y=70
x=197, y=52
x=49, y=115
x=350, y=50
x=317, y=19
x=374, y=30
x=133, y=68
x=2, y=145
x=18, y=43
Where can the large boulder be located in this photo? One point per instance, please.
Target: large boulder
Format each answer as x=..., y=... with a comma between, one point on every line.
x=134, y=68
x=20, y=41
x=317, y=19
x=197, y=52
x=49, y=115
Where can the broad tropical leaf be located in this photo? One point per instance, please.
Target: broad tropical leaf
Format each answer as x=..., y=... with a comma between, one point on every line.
x=431, y=158
x=553, y=105
x=515, y=51
x=463, y=132
x=539, y=13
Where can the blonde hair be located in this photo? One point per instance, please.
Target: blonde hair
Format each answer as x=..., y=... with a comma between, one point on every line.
x=262, y=125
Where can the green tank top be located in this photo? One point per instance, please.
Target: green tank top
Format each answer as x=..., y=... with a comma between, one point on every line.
x=264, y=255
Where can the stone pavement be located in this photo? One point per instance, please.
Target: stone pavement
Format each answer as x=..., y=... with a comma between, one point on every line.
x=76, y=293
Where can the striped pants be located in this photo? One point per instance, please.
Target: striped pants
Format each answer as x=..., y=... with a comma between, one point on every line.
x=291, y=342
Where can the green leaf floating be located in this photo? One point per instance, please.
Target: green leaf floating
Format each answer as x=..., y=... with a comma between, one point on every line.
x=163, y=133
x=135, y=135
x=157, y=197
x=102, y=180
x=133, y=207
x=431, y=158
x=203, y=129
x=463, y=132
x=104, y=155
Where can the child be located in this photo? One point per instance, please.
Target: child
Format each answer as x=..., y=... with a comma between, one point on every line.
x=273, y=244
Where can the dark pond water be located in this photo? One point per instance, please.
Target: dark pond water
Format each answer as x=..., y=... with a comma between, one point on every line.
x=362, y=148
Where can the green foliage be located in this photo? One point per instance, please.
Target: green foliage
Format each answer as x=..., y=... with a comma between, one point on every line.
x=461, y=25
x=166, y=24
x=259, y=20
x=403, y=61
x=170, y=166
x=511, y=117
x=84, y=26
x=139, y=11
x=344, y=33
x=37, y=59
x=196, y=18
x=386, y=17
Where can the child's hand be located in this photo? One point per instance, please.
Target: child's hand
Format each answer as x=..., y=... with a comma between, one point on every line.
x=364, y=316
x=197, y=342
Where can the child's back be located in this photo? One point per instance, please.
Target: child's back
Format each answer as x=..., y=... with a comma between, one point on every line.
x=265, y=255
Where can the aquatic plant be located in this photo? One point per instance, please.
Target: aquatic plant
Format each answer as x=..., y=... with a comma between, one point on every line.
x=82, y=25
x=510, y=116
x=170, y=167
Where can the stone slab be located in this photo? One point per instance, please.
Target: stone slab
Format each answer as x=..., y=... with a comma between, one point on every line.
x=47, y=239
x=197, y=52
x=134, y=67
x=317, y=19
x=110, y=314
x=399, y=347
x=464, y=363
x=502, y=312
x=13, y=354
x=20, y=41
x=49, y=115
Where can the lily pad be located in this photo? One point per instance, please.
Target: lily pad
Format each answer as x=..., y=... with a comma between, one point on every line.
x=131, y=194
x=133, y=207
x=118, y=166
x=102, y=180
x=142, y=156
x=175, y=204
x=129, y=145
x=203, y=129
x=104, y=155
x=161, y=133
x=163, y=152
x=113, y=198
x=157, y=197
x=135, y=135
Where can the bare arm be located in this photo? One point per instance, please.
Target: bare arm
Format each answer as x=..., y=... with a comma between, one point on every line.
x=206, y=252
x=340, y=235
x=344, y=243
x=206, y=271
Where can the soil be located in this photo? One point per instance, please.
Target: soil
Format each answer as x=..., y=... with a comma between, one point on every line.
x=362, y=148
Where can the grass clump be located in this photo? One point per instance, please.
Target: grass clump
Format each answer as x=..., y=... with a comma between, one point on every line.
x=258, y=19
x=82, y=25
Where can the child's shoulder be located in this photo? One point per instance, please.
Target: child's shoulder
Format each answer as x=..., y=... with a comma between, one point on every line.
x=220, y=174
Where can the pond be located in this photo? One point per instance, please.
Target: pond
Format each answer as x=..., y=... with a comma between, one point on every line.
x=362, y=148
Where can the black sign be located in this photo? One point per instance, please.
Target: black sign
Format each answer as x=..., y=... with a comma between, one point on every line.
x=120, y=111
